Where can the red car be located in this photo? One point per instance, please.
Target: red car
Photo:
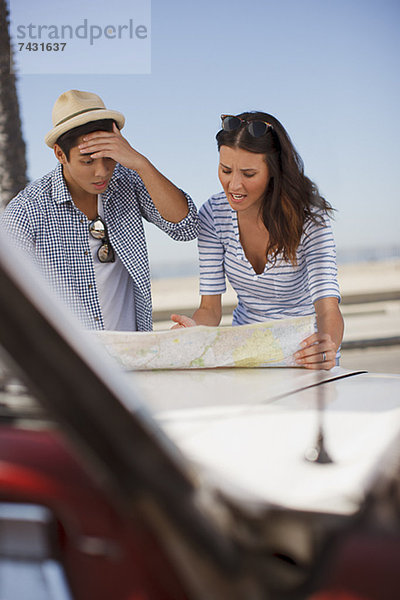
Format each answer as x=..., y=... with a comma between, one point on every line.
x=215, y=484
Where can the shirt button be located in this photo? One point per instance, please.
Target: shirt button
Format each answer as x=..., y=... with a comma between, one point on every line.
x=86, y=252
x=90, y=286
x=255, y=277
x=96, y=318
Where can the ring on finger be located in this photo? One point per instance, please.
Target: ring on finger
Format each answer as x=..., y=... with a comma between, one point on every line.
x=323, y=357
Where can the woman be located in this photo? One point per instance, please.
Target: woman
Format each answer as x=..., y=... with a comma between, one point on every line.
x=269, y=233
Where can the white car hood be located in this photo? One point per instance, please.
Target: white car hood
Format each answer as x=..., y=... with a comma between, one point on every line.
x=248, y=432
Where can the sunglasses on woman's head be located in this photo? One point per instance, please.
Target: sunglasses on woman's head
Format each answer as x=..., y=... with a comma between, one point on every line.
x=98, y=230
x=256, y=127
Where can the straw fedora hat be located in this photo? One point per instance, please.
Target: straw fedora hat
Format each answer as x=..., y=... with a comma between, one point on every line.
x=74, y=108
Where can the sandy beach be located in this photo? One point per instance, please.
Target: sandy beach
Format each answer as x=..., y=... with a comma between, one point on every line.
x=370, y=306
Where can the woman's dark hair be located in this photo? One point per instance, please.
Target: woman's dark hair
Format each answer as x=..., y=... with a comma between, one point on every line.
x=68, y=140
x=291, y=198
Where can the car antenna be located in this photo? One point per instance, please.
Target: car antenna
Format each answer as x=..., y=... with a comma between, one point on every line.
x=318, y=453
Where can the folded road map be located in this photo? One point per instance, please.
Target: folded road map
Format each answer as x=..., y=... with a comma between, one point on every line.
x=267, y=344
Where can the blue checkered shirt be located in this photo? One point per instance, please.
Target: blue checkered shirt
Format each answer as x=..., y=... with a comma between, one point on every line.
x=44, y=221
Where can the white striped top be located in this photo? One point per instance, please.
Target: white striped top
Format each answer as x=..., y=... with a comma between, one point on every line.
x=281, y=290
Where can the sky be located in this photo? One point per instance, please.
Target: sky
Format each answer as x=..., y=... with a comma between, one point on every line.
x=328, y=70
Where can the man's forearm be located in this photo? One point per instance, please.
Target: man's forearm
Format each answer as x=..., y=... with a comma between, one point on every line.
x=170, y=201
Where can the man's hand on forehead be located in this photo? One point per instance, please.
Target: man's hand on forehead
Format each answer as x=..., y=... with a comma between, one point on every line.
x=111, y=144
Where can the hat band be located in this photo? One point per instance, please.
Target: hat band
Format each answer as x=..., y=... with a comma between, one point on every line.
x=80, y=112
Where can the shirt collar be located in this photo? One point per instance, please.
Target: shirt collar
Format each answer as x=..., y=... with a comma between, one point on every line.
x=60, y=192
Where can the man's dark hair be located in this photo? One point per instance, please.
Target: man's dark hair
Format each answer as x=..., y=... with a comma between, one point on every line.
x=68, y=140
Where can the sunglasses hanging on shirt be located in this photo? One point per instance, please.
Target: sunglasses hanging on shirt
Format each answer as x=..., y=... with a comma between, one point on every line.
x=98, y=230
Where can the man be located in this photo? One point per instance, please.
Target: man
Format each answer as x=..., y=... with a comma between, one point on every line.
x=82, y=222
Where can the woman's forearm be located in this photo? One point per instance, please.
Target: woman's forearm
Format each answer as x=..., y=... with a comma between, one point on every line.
x=209, y=313
x=329, y=319
x=204, y=316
